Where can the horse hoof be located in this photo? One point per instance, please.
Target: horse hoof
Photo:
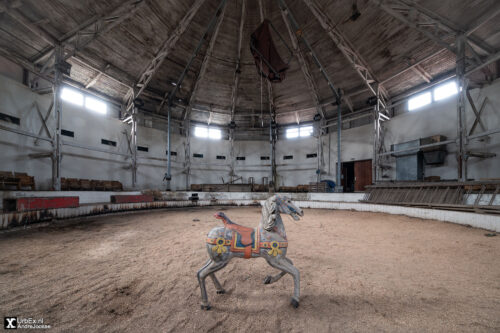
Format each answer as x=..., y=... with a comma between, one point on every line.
x=268, y=279
x=295, y=303
x=206, y=307
x=221, y=291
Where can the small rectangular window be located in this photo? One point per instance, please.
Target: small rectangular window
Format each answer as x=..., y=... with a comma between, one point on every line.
x=240, y=158
x=10, y=119
x=264, y=158
x=64, y=132
x=198, y=155
x=419, y=101
x=288, y=157
x=72, y=96
x=141, y=148
x=220, y=157
x=108, y=142
x=312, y=155
x=172, y=153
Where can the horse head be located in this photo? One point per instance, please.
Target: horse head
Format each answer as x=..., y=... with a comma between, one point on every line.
x=285, y=205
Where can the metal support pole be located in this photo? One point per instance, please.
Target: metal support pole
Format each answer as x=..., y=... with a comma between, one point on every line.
x=273, y=132
x=56, y=158
x=187, y=152
x=133, y=138
x=338, y=187
x=319, y=149
x=376, y=139
x=168, y=175
x=461, y=120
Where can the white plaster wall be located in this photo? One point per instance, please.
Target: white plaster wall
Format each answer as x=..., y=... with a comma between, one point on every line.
x=89, y=128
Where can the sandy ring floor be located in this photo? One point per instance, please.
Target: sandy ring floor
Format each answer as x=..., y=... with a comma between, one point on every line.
x=359, y=272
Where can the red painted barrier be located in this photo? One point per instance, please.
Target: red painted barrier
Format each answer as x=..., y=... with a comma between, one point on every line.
x=131, y=198
x=27, y=204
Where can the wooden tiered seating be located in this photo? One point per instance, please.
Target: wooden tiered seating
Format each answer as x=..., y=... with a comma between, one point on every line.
x=68, y=184
x=19, y=180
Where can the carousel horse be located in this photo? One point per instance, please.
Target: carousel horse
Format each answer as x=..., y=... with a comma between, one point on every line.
x=268, y=241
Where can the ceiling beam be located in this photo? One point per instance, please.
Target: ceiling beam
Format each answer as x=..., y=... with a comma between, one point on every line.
x=437, y=28
x=19, y=17
x=204, y=64
x=237, y=71
x=155, y=63
x=304, y=66
x=347, y=49
x=272, y=108
x=83, y=34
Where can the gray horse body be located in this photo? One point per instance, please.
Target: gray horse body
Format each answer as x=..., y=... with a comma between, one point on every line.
x=270, y=230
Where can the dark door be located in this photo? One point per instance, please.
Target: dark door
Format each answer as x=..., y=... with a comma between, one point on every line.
x=362, y=174
x=348, y=176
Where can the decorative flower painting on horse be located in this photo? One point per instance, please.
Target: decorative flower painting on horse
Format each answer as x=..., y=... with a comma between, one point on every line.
x=268, y=241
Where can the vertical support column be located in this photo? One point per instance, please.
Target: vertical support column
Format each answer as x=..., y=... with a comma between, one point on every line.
x=319, y=151
x=273, y=131
x=232, y=174
x=338, y=187
x=168, y=175
x=133, y=138
x=56, y=158
x=461, y=120
x=376, y=138
x=187, y=152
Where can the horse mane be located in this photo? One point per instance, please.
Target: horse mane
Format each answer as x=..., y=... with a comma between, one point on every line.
x=269, y=212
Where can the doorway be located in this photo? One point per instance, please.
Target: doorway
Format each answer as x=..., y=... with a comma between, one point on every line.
x=356, y=175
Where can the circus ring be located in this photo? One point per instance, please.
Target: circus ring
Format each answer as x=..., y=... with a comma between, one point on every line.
x=360, y=271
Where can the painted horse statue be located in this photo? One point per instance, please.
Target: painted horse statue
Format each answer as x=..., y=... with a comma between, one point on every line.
x=268, y=241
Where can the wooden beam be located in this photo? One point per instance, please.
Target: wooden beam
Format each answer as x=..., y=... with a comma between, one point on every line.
x=204, y=64
x=237, y=71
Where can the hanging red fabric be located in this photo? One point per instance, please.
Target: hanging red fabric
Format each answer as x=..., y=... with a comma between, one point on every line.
x=268, y=61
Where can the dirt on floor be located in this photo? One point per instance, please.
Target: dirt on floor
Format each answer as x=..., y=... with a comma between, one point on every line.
x=359, y=272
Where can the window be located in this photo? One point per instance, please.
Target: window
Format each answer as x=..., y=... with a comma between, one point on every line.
x=198, y=155
x=240, y=158
x=306, y=130
x=108, y=142
x=72, y=96
x=302, y=131
x=445, y=90
x=264, y=158
x=292, y=133
x=312, y=155
x=64, y=132
x=419, y=101
x=288, y=157
x=207, y=132
x=220, y=157
x=141, y=148
x=172, y=153
x=96, y=105
x=10, y=119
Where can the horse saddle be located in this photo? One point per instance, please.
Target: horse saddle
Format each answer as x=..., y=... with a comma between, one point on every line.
x=244, y=239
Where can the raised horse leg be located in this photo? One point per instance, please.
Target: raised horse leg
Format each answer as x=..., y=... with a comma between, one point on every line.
x=273, y=278
x=209, y=268
x=286, y=266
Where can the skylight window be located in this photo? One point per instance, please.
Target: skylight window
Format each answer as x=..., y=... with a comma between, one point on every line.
x=214, y=133
x=445, y=90
x=295, y=132
x=206, y=132
x=419, y=101
x=292, y=133
x=306, y=130
x=72, y=96
x=96, y=105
